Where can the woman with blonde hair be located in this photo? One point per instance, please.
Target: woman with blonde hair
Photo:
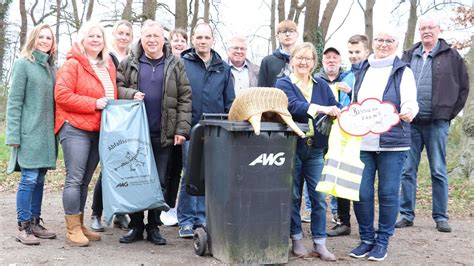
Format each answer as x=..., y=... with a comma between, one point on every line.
x=309, y=99
x=122, y=36
x=29, y=129
x=83, y=85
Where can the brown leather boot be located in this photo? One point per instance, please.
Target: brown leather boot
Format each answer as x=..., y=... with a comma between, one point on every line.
x=74, y=234
x=25, y=234
x=92, y=236
x=39, y=230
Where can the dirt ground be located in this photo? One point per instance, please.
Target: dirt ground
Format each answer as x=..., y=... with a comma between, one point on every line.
x=420, y=244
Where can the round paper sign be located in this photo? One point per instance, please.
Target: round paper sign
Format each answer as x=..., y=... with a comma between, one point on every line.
x=369, y=116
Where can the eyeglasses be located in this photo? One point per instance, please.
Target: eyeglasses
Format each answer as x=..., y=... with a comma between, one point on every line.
x=243, y=49
x=287, y=32
x=380, y=41
x=428, y=28
x=301, y=58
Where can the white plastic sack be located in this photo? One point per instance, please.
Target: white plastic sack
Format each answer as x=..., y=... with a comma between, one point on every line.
x=130, y=180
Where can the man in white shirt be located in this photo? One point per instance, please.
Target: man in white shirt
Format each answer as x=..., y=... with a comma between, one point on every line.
x=244, y=72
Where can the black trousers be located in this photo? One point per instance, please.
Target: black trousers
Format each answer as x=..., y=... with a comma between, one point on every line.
x=97, y=204
x=344, y=210
x=162, y=155
x=175, y=165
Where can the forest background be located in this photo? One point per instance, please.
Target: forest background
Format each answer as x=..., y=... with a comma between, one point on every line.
x=322, y=22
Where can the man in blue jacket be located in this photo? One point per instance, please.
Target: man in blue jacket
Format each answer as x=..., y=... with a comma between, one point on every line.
x=212, y=92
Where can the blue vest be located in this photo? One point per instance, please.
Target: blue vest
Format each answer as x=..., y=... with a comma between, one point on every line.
x=399, y=136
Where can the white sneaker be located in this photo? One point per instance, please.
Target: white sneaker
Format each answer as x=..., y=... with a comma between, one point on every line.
x=169, y=218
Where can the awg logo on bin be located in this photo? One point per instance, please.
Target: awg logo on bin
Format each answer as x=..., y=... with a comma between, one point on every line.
x=269, y=159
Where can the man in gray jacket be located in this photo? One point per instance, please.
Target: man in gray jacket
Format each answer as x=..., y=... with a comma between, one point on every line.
x=442, y=88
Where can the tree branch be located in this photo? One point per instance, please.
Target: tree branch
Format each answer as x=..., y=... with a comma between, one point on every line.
x=342, y=23
x=360, y=5
x=32, y=12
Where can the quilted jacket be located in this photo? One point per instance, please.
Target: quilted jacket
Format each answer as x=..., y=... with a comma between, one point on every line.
x=76, y=91
x=176, y=102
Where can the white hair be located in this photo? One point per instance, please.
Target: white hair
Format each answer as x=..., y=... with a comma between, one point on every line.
x=428, y=18
x=387, y=30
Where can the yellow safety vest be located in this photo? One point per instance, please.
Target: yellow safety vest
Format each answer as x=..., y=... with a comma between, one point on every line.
x=342, y=172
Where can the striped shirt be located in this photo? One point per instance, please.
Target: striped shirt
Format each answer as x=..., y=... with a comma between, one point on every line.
x=104, y=77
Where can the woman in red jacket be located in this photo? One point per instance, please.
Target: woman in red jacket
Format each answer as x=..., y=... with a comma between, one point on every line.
x=83, y=85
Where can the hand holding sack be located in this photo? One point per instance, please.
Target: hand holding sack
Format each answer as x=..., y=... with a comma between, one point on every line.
x=130, y=180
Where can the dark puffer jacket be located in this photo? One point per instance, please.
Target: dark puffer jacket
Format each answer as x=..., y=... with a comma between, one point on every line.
x=176, y=101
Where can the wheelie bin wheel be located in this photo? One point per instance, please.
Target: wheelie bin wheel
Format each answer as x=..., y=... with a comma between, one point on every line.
x=200, y=241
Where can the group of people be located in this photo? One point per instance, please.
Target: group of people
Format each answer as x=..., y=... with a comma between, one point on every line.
x=428, y=87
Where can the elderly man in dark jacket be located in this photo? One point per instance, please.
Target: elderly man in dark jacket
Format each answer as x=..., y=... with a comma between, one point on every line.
x=213, y=92
x=153, y=74
x=442, y=87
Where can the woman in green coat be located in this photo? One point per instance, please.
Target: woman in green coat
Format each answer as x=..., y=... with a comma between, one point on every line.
x=30, y=130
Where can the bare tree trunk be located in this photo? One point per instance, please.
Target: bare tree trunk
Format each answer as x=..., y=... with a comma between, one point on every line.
x=410, y=34
x=4, y=6
x=327, y=16
x=292, y=12
x=24, y=23
x=127, y=10
x=181, y=14
x=195, y=14
x=299, y=9
x=77, y=21
x=311, y=20
x=281, y=10
x=466, y=163
x=206, y=11
x=272, y=23
x=90, y=8
x=369, y=25
x=149, y=9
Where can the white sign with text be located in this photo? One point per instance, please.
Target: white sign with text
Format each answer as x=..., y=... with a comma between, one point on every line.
x=369, y=116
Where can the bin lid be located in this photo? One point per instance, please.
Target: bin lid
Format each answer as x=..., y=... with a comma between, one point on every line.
x=246, y=126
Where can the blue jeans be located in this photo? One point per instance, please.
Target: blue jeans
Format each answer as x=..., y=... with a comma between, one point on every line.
x=434, y=137
x=309, y=164
x=191, y=209
x=307, y=201
x=388, y=165
x=30, y=193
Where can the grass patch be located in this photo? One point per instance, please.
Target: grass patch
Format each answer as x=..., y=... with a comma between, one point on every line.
x=461, y=191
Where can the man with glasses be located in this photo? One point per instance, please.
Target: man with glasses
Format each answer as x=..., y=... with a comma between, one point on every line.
x=244, y=72
x=443, y=86
x=275, y=66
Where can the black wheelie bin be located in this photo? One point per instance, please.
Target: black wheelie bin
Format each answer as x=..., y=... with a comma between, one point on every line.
x=247, y=182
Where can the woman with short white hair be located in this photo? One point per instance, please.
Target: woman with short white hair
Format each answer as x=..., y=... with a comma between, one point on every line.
x=385, y=77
